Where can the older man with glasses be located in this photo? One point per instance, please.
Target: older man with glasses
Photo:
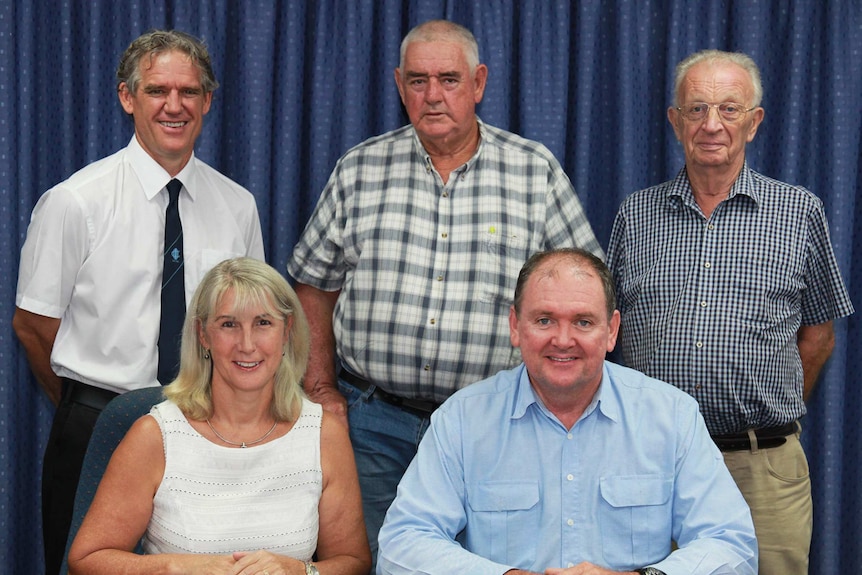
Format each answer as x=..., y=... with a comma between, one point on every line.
x=728, y=287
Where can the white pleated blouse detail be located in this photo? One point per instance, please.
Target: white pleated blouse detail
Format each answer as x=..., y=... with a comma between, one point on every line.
x=217, y=499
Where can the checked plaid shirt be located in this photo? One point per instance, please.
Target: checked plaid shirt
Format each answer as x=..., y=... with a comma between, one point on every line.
x=713, y=305
x=427, y=271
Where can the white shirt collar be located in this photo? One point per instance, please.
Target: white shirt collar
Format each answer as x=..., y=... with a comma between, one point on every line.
x=154, y=177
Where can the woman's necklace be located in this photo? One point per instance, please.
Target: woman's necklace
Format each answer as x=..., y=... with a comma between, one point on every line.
x=244, y=444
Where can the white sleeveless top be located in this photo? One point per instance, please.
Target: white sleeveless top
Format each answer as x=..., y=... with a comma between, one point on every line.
x=216, y=499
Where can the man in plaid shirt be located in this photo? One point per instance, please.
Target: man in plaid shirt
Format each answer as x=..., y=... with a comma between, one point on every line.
x=728, y=286
x=407, y=266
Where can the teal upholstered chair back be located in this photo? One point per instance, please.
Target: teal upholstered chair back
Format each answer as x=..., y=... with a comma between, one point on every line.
x=112, y=425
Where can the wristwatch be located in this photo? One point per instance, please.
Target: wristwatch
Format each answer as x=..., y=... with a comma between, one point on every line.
x=310, y=568
x=650, y=571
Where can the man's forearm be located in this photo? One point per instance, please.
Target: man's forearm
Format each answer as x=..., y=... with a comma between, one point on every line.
x=318, y=306
x=36, y=334
x=815, y=344
x=320, y=381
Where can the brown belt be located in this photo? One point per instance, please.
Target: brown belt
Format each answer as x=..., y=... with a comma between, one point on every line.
x=420, y=407
x=766, y=437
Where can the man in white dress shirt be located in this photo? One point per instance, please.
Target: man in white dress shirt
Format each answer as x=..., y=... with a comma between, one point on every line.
x=89, y=295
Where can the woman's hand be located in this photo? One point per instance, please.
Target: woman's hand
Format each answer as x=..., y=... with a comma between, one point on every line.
x=266, y=563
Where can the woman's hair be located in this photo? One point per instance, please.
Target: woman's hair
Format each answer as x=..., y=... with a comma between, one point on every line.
x=254, y=284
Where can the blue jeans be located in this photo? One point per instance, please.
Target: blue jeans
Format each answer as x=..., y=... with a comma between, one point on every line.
x=385, y=439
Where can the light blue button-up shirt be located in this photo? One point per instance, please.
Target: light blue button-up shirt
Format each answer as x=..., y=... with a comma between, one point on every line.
x=499, y=483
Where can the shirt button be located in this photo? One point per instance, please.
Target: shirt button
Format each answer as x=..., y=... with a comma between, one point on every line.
x=433, y=321
x=444, y=235
x=569, y=436
x=570, y=522
x=427, y=367
x=570, y=476
x=707, y=265
x=699, y=344
x=439, y=278
x=703, y=304
x=710, y=227
x=445, y=194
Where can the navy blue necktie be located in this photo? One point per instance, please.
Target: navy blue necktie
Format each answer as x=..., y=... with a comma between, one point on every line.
x=173, y=289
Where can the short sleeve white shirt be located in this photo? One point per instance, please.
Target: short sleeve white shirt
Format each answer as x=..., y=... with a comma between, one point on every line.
x=93, y=258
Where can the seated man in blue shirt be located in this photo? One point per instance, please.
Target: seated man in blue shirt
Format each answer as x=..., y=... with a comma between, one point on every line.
x=567, y=464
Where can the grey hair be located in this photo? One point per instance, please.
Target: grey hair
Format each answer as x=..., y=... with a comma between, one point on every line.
x=156, y=42
x=443, y=30
x=744, y=61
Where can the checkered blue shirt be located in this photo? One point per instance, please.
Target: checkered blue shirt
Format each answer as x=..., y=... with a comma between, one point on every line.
x=712, y=305
x=427, y=271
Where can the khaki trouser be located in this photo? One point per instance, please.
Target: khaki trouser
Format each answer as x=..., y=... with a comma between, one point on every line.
x=777, y=487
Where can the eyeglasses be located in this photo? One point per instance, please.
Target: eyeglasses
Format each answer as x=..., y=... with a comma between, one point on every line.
x=727, y=111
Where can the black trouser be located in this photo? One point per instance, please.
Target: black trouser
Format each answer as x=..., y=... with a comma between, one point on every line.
x=73, y=425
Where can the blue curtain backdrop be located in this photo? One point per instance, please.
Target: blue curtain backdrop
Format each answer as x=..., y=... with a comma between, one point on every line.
x=301, y=82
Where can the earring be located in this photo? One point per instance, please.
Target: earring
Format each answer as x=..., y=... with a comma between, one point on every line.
x=206, y=354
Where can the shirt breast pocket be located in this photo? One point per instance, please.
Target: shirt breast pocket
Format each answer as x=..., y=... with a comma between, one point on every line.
x=635, y=518
x=768, y=288
x=504, y=520
x=502, y=255
x=198, y=264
